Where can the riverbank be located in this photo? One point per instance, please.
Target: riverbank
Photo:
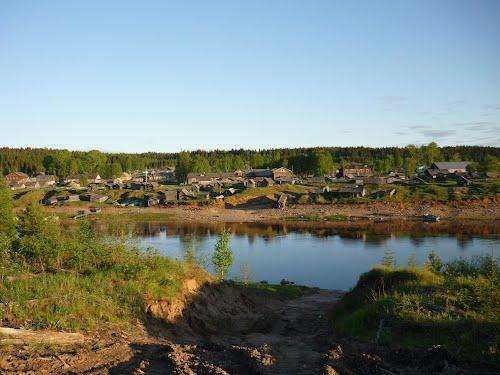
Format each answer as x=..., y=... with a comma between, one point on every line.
x=230, y=328
x=485, y=209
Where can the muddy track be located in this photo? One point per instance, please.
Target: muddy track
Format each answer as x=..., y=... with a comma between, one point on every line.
x=247, y=336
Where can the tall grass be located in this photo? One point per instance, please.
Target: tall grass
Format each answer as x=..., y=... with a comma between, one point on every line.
x=52, y=277
x=457, y=307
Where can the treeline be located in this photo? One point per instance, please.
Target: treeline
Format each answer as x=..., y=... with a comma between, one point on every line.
x=318, y=161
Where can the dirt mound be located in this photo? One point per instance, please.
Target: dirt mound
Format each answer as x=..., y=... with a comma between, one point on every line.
x=209, y=308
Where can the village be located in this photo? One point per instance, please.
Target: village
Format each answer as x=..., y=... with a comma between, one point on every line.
x=148, y=188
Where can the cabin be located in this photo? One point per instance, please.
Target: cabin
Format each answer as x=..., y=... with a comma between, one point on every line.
x=274, y=173
x=285, y=180
x=16, y=186
x=282, y=173
x=314, y=180
x=250, y=183
x=185, y=194
x=94, y=178
x=90, y=197
x=151, y=200
x=259, y=173
x=17, y=178
x=167, y=196
x=437, y=173
x=73, y=178
x=264, y=182
x=375, y=180
x=49, y=201
x=282, y=201
x=352, y=191
x=210, y=178
x=354, y=170
x=451, y=166
x=230, y=191
x=45, y=180
x=31, y=185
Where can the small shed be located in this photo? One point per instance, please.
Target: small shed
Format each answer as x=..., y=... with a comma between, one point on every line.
x=250, y=183
x=354, y=191
x=266, y=181
x=282, y=201
x=49, y=201
x=167, y=196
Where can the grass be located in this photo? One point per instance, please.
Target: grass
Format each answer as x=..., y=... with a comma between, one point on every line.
x=277, y=291
x=458, y=308
x=111, y=297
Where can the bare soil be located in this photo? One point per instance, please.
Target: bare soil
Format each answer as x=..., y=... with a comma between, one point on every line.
x=484, y=209
x=225, y=329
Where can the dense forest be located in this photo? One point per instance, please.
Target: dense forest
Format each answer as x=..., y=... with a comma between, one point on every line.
x=319, y=161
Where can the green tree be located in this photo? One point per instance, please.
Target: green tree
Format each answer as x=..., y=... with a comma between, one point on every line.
x=222, y=257
x=322, y=163
x=7, y=222
x=84, y=181
x=489, y=164
x=183, y=166
x=199, y=164
x=434, y=262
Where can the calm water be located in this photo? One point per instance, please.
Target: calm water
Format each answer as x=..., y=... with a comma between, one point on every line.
x=328, y=257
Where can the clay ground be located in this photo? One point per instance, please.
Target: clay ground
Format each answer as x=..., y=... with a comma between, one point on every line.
x=486, y=209
x=226, y=331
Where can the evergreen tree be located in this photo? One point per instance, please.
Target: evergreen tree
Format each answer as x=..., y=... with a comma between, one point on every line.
x=7, y=222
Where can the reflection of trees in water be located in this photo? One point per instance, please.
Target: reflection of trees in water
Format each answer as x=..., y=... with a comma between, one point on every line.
x=417, y=239
x=463, y=240
x=370, y=232
x=192, y=243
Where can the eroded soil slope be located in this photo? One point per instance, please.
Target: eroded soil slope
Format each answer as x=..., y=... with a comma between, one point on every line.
x=226, y=329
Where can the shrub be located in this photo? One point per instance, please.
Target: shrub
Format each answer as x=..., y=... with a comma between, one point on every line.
x=222, y=257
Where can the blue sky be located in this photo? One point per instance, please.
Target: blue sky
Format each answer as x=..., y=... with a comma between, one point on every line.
x=165, y=76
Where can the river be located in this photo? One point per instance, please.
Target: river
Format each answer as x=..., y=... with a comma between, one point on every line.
x=331, y=256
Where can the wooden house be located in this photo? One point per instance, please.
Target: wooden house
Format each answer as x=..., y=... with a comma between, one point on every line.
x=352, y=191
x=250, y=183
x=93, y=178
x=151, y=200
x=49, y=200
x=32, y=185
x=46, y=180
x=90, y=197
x=266, y=181
x=18, y=178
x=451, y=166
x=354, y=170
x=167, y=196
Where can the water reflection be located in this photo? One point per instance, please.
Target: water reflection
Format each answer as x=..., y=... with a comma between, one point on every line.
x=328, y=255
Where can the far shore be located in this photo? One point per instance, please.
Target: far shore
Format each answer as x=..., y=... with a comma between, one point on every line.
x=484, y=210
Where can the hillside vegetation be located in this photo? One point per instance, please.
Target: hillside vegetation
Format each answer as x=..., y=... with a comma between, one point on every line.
x=454, y=305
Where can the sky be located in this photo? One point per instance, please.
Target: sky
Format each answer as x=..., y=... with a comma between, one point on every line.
x=134, y=76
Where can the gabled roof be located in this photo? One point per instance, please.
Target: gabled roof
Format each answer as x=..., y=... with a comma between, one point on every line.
x=452, y=164
x=18, y=174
